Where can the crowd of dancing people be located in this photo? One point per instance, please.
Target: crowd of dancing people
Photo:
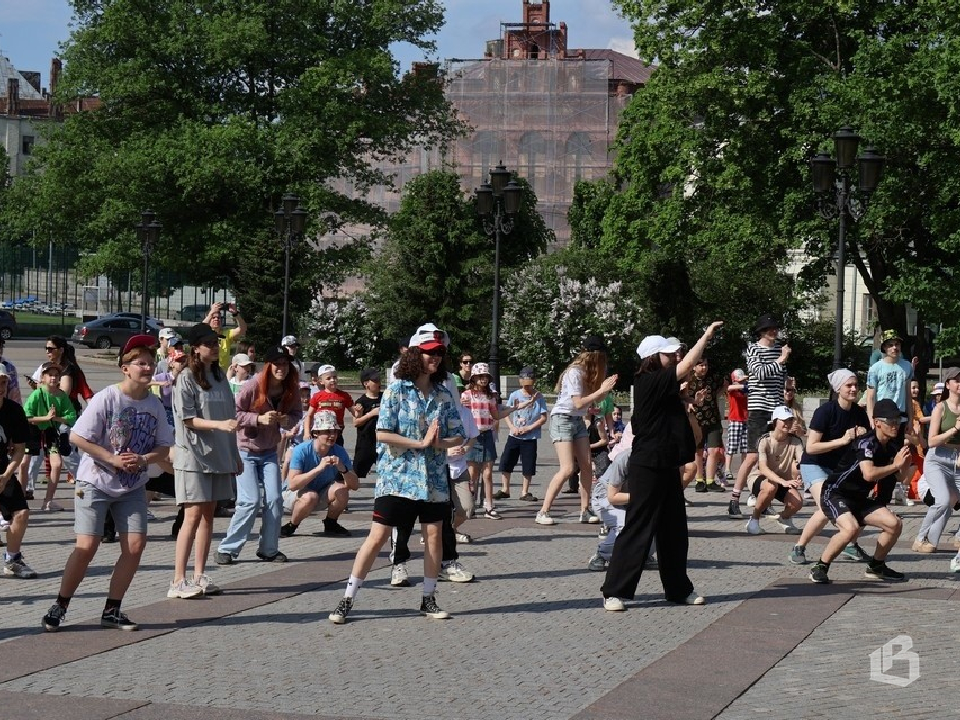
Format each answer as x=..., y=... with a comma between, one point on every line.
x=190, y=419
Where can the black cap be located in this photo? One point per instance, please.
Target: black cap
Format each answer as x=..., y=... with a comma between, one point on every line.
x=887, y=409
x=528, y=371
x=370, y=374
x=594, y=343
x=200, y=331
x=274, y=353
x=765, y=322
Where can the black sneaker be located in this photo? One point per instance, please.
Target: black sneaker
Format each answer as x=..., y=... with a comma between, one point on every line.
x=701, y=486
x=880, y=571
x=222, y=558
x=278, y=558
x=715, y=487
x=818, y=573
x=117, y=620
x=733, y=509
x=53, y=618
x=288, y=530
x=429, y=607
x=335, y=529
x=109, y=538
x=339, y=616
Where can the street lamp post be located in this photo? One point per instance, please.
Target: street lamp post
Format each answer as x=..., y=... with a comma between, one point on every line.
x=290, y=221
x=832, y=184
x=148, y=232
x=498, y=203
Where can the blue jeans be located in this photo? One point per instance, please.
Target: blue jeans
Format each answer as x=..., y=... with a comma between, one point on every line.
x=259, y=470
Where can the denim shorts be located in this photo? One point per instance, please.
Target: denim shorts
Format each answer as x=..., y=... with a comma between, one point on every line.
x=567, y=428
x=90, y=508
x=484, y=448
x=811, y=474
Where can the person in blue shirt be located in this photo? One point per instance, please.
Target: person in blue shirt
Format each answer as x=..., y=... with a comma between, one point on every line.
x=322, y=474
x=524, y=435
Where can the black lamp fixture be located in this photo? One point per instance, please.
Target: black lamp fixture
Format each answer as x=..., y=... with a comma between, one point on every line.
x=290, y=220
x=832, y=180
x=498, y=202
x=148, y=232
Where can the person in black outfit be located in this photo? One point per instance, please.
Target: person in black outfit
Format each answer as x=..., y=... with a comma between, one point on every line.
x=365, y=413
x=663, y=443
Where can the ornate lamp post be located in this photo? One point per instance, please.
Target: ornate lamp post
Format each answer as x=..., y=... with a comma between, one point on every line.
x=148, y=232
x=290, y=221
x=832, y=184
x=498, y=203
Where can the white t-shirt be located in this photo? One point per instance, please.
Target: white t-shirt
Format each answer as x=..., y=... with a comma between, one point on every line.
x=571, y=384
x=458, y=463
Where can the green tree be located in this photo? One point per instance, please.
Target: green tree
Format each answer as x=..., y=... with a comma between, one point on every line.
x=436, y=263
x=209, y=112
x=712, y=153
x=587, y=209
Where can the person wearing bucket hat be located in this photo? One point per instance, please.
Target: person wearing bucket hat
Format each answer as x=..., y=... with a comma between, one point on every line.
x=322, y=476
x=767, y=374
x=267, y=404
x=418, y=422
x=662, y=444
x=484, y=405
x=583, y=383
x=206, y=461
x=853, y=498
x=834, y=427
x=940, y=465
x=777, y=475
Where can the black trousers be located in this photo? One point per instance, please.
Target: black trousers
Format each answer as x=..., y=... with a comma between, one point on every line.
x=401, y=548
x=656, y=510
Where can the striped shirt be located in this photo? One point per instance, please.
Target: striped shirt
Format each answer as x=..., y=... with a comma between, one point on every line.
x=767, y=378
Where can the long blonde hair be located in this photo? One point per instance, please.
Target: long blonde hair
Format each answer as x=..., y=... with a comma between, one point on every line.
x=592, y=366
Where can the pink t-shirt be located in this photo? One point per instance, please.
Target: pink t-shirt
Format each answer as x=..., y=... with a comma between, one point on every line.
x=483, y=408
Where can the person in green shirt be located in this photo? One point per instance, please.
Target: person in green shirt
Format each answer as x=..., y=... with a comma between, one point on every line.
x=46, y=409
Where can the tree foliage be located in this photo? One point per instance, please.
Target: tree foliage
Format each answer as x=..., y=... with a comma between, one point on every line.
x=436, y=263
x=712, y=153
x=210, y=112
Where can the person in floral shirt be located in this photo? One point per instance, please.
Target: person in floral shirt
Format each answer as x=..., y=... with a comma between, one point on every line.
x=418, y=422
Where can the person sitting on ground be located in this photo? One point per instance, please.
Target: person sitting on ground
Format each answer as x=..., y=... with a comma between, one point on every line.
x=846, y=499
x=314, y=470
x=777, y=474
x=47, y=408
x=609, y=501
x=14, y=431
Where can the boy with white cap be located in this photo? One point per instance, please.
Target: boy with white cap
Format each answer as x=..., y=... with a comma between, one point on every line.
x=329, y=397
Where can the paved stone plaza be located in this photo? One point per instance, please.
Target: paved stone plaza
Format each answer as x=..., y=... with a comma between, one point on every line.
x=527, y=640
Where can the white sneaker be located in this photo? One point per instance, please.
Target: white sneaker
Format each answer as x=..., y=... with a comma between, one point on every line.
x=4, y=525
x=753, y=527
x=455, y=572
x=463, y=538
x=752, y=500
x=399, y=576
x=955, y=565
x=693, y=598
x=184, y=590
x=207, y=585
x=588, y=517
x=613, y=604
x=543, y=518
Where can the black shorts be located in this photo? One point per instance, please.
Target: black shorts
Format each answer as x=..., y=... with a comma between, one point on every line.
x=758, y=425
x=711, y=437
x=42, y=441
x=12, y=500
x=781, y=489
x=364, y=458
x=524, y=450
x=394, y=511
x=834, y=505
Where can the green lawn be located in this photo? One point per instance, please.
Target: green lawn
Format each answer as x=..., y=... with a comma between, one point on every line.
x=31, y=318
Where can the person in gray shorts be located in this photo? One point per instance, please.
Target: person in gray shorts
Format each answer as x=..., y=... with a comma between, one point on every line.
x=123, y=430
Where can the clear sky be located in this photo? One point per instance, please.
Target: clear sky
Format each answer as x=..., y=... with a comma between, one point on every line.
x=31, y=30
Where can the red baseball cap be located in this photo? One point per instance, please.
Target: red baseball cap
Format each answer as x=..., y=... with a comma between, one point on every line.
x=137, y=341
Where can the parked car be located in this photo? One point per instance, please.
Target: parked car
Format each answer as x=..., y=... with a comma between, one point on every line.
x=193, y=313
x=107, y=332
x=133, y=316
x=8, y=324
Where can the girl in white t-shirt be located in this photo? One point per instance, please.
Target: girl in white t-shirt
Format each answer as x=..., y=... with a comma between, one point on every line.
x=582, y=384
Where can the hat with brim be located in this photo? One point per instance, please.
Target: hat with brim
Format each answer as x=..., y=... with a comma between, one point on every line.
x=275, y=353
x=199, y=332
x=429, y=337
x=137, y=341
x=654, y=344
x=595, y=343
x=370, y=374
x=887, y=409
x=765, y=322
x=325, y=420
x=890, y=336
x=939, y=388
x=782, y=413
x=949, y=374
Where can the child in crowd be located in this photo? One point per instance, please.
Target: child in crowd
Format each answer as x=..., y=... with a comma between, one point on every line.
x=737, y=415
x=164, y=380
x=609, y=501
x=241, y=369
x=524, y=426
x=328, y=397
x=47, y=408
x=365, y=413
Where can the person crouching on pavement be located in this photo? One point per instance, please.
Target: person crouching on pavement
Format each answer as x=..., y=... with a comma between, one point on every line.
x=846, y=499
x=777, y=474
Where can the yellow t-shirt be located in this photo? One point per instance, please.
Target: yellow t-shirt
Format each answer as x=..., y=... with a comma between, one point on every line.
x=226, y=345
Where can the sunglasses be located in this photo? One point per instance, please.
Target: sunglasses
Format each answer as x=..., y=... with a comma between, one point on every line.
x=51, y=349
x=466, y=362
